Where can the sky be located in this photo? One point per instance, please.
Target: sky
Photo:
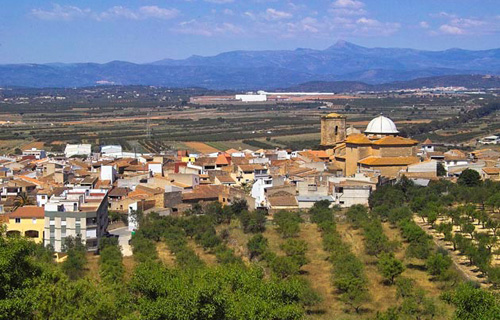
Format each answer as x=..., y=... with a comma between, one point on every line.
x=142, y=31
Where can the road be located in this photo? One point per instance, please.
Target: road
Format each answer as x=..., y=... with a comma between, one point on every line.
x=124, y=236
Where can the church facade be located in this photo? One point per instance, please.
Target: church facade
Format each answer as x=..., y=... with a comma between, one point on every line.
x=379, y=149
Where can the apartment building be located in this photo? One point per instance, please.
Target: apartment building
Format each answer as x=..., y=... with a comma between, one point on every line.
x=75, y=212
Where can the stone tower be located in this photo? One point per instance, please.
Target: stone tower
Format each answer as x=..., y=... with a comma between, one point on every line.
x=333, y=129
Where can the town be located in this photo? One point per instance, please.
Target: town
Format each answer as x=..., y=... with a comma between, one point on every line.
x=249, y=160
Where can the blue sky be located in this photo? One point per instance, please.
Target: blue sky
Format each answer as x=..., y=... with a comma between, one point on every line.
x=39, y=31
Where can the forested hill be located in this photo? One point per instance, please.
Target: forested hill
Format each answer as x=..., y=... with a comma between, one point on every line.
x=467, y=81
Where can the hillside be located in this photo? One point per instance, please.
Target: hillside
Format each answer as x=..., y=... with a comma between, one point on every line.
x=468, y=81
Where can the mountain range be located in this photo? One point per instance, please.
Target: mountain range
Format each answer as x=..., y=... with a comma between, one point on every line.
x=247, y=70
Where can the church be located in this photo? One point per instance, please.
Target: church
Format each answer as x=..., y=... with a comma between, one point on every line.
x=379, y=149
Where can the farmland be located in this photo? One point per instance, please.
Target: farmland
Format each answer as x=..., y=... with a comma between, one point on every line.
x=147, y=119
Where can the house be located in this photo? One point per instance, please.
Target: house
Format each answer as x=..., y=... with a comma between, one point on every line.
x=27, y=221
x=491, y=173
x=490, y=140
x=282, y=201
x=454, y=158
x=38, y=154
x=75, y=212
x=224, y=180
x=14, y=187
x=246, y=173
x=307, y=202
x=427, y=146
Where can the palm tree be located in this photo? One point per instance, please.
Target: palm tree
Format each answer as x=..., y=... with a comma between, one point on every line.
x=22, y=199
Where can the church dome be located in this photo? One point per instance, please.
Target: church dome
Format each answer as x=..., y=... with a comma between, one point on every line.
x=381, y=125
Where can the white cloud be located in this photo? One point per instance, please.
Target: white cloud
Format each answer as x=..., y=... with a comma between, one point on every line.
x=451, y=24
x=219, y=1
x=157, y=12
x=424, y=24
x=67, y=13
x=196, y=27
x=347, y=8
x=350, y=4
x=228, y=12
x=273, y=14
x=447, y=29
x=59, y=12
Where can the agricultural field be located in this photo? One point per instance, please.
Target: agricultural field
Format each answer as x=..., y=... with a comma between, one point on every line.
x=147, y=119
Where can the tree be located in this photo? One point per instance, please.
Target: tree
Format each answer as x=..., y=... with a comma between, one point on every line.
x=494, y=202
x=438, y=264
x=257, y=245
x=473, y=303
x=441, y=171
x=469, y=178
x=111, y=267
x=376, y=241
x=284, y=266
x=296, y=249
x=21, y=200
x=74, y=264
x=357, y=215
x=389, y=266
x=432, y=217
x=288, y=223
x=469, y=228
x=253, y=222
x=355, y=293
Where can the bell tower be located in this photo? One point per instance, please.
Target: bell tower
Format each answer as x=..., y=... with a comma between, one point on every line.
x=333, y=130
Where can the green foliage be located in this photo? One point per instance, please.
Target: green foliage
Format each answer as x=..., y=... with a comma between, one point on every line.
x=414, y=304
x=225, y=292
x=376, y=242
x=257, y=246
x=284, y=266
x=438, y=264
x=143, y=249
x=111, y=267
x=74, y=265
x=472, y=303
x=357, y=215
x=296, y=249
x=253, y=222
x=469, y=178
x=225, y=255
x=288, y=223
x=390, y=267
x=441, y=171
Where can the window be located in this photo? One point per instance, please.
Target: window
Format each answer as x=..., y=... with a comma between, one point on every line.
x=336, y=130
x=18, y=220
x=33, y=220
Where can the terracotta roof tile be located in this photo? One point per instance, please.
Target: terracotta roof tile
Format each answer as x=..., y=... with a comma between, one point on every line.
x=395, y=141
x=357, y=138
x=28, y=212
x=384, y=161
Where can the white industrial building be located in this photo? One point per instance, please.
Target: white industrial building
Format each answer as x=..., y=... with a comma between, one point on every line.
x=114, y=151
x=77, y=150
x=251, y=97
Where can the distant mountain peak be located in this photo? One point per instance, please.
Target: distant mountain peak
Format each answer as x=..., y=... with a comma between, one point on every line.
x=343, y=44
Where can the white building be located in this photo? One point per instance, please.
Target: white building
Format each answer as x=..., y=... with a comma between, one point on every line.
x=251, y=97
x=77, y=150
x=490, y=140
x=108, y=173
x=114, y=151
x=39, y=154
